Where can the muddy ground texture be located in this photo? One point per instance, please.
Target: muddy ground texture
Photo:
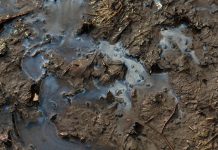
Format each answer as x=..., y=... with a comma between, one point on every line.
x=155, y=121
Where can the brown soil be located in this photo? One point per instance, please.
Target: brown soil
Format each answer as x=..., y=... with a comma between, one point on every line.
x=193, y=124
x=155, y=121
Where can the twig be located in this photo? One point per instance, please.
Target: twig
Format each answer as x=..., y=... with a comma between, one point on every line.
x=174, y=111
x=120, y=8
x=213, y=138
x=117, y=35
x=149, y=120
x=163, y=136
x=191, y=128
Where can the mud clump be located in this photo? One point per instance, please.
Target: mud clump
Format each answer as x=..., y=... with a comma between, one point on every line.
x=94, y=66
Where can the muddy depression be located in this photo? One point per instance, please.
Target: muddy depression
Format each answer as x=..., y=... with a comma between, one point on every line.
x=98, y=74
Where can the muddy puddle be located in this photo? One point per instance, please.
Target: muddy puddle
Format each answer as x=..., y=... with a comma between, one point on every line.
x=43, y=135
x=88, y=93
x=55, y=33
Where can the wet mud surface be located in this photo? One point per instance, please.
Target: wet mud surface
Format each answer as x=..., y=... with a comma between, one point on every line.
x=98, y=74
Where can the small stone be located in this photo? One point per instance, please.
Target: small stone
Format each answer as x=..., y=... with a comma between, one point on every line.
x=36, y=98
x=210, y=119
x=26, y=34
x=3, y=137
x=3, y=48
x=15, y=32
x=63, y=133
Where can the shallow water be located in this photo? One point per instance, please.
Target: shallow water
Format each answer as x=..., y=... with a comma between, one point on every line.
x=51, y=96
x=136, y=72
x=63, y=17
x=43, y=135
x=58, y=25
x=33, y=66
x=76, y=47
x=175, y=36
x=8, y=7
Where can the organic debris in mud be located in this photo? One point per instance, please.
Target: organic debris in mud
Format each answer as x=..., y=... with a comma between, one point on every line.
x=105, y=11
x=104, y=125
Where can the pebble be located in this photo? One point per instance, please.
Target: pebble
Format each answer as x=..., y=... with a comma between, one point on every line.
x=3, y=48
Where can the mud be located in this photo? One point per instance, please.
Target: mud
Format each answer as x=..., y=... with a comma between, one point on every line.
x=98, y=74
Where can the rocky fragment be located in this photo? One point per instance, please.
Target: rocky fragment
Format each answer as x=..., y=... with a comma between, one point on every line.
x=3, y=48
